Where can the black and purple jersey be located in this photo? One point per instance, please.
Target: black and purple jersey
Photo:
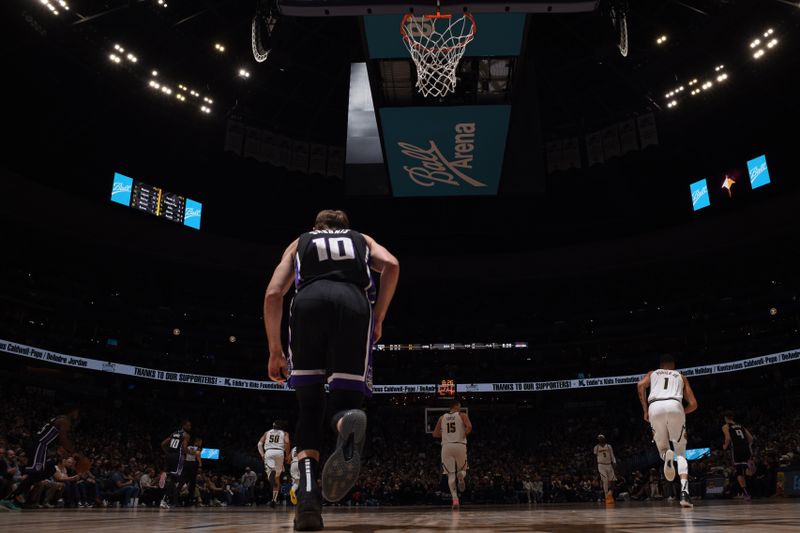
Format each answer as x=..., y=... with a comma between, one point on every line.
x=333, y=255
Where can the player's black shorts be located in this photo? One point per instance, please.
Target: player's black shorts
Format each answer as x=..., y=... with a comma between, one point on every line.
x=330, y=337
x=740, y=459
x=175, y=463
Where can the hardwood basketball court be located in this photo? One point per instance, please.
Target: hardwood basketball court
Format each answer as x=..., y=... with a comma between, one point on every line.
x=774, y=516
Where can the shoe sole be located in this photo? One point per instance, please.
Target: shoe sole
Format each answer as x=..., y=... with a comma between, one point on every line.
x=687, y=505
x=308, y=521
x=669, y=465
x=340, y=473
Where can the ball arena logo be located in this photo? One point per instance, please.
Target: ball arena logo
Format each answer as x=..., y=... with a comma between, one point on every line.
x=698, y=194
x=432, y=165
x=192, y=212
x=756, y=171
x=120, y=188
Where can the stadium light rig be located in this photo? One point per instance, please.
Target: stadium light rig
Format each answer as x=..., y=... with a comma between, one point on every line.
x=760, y=47
x=219, y=48
x=696, y=86
x=243, y=73
x=661, y=39
x=53, y=9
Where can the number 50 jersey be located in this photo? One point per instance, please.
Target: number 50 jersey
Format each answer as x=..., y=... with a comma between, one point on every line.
x=335, y=255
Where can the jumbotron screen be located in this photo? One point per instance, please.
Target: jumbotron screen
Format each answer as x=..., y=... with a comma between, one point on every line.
x=156, y=201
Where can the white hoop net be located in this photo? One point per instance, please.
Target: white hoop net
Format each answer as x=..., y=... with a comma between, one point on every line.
x=436, y=51
x=619, y=17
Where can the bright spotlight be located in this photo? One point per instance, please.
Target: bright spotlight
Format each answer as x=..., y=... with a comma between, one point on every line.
x=755, y=43
x=154, y=73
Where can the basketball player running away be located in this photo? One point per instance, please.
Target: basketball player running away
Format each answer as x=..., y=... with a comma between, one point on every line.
x=740, y=441
x=274, y=446
x=334, y=321
x=605, y=465
x=176, y=448
x=453, y=429
x=664, y=409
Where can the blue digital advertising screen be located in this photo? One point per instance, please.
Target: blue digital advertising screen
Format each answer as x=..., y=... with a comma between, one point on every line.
x=192, y=213
x=699, y=191
x=697, y=453
x=209, y=453
x=758, y=171
x=156, y=201
x=445, y=151
x=121, y=189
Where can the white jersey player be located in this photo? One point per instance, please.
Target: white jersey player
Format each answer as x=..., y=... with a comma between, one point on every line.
x=453, y=429
x=605, y=465
x=295, y=472
x=274, y=450
x=663, y=408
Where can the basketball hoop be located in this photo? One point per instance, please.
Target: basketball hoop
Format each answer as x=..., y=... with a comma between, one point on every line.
x=436, y=51
x=263, y=22
x=619, y=18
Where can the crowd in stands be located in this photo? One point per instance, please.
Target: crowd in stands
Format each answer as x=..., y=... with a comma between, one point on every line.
x=516, y=455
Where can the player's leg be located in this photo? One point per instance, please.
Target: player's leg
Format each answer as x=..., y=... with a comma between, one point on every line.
x=276, y=480
x=307, y=349
x=308, y=436
x=350, y=380
x=295, y=471
x=450, y=468
x=677, y=428
x=603, y=479
x=462, y=466
x=740, y=471
x=658, y=422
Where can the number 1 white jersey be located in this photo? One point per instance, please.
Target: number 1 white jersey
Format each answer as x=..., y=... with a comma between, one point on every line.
x=665, y=385
x=275, y=440
x=453, y=429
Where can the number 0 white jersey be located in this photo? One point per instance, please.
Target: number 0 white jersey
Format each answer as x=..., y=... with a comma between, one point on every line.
x=275, y=440
x=453, y=430
x=665, y=385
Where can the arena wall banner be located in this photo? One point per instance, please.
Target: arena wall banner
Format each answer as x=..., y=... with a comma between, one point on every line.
x=48, y=356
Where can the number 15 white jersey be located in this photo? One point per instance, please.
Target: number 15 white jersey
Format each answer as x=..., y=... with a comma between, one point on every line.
x=665, y=385
x=453, y=430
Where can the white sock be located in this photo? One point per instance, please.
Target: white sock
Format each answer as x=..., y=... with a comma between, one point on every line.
x=685, y=486
x=683, y=466
x=274, y=495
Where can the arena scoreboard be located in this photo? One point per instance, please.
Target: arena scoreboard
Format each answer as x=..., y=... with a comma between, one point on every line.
x=156, y=201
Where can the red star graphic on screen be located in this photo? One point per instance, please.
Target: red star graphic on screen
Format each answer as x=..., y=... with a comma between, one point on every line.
x=727, y=184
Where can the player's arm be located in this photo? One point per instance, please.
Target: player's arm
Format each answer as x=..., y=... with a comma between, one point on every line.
x=688, y=395
x=748, y=436
x=273, y=312
x=641, y=388
x=727, y=433
x=287, y=449
x=467, y=423
x=613, y=458
x=197, y=454
x=261, y=445
x=165, y=444
x=381, y=260
x=437, y=431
